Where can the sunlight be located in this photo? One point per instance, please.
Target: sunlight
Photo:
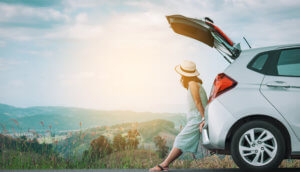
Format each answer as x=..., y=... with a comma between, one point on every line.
x=129, y=66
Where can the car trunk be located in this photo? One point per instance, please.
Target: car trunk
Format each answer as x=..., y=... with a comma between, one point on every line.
x=206, y=32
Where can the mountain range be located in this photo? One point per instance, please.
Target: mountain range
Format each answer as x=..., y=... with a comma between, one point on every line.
x=40, y=118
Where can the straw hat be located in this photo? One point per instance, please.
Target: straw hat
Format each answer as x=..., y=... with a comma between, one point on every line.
x=187, y=68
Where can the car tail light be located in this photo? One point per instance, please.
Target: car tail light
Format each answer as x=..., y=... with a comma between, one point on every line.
x=221, y=84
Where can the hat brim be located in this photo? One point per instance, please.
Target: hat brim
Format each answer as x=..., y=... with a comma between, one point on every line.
x=178, y=70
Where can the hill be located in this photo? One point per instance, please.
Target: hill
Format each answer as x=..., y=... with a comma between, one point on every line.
x=69, y=118
x=79, y=141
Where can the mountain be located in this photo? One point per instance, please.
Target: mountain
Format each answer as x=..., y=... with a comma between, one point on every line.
x=68, y=118
x=12, y=111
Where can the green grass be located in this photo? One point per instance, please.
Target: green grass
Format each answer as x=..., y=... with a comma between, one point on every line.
x=16, y=153
x=11, y=159
x=140, y=158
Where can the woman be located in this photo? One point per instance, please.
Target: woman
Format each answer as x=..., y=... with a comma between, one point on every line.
x=188, y=138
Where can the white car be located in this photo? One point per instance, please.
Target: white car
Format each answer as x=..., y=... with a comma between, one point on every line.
x=254, y=106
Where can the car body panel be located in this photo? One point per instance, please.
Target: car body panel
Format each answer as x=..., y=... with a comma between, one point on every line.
x=285, y=100
x=245, y=100
x=218, y=125
x=240, y=66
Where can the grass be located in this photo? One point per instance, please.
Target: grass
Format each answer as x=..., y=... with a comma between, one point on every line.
x=130, y=159
x=207, y=162
x=11, y=159
x=139, y=158
x=133, y=158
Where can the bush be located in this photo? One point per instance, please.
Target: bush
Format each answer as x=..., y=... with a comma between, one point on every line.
x=132, y=139
x=99, y=148
x=119, y=143
x=23, y=145
x=160, y=144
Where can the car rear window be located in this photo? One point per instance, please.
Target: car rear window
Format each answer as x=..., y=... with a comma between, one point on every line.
x=257, y=64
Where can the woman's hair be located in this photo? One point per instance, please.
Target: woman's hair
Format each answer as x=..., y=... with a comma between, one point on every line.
x=185, y=80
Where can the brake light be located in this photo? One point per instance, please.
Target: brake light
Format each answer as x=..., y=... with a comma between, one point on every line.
x=221, y=84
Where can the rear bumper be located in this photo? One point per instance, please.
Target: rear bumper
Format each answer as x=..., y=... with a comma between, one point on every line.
x=218, y=123
x=205, y=138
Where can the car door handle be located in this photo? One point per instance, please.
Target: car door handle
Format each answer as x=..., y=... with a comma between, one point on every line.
x=276, y=84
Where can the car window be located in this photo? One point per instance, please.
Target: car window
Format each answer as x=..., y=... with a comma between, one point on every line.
x=289, y=63
x=257, y=64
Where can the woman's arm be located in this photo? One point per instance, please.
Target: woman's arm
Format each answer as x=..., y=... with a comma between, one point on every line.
x=194, y=87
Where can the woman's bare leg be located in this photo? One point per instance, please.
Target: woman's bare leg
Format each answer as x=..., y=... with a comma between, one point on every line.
x=174, y=154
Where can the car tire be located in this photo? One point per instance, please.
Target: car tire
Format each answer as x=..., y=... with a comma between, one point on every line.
x=256, y=153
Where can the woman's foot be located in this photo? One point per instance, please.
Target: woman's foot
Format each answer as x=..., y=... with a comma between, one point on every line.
x=159, y=167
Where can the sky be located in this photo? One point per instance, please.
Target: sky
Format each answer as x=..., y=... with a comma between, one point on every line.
x=121, y=54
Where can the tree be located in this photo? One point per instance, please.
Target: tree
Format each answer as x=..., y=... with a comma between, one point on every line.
x=132, y=139
x=100, y=147
x=160, y=144
x=119, y=142
x=24, y=138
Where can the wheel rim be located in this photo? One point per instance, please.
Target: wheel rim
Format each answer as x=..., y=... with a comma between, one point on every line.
x=258, y=146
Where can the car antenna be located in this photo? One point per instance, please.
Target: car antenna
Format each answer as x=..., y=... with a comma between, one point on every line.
x=247, y=42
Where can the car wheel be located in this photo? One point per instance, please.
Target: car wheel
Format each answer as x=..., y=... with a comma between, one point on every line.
x=257, y=145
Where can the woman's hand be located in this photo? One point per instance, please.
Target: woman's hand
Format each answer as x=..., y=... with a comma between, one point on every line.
x=201, y=126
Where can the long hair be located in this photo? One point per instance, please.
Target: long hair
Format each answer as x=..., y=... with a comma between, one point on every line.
x=185, y=80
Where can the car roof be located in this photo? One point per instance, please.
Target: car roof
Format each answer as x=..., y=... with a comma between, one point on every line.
x=268, y=48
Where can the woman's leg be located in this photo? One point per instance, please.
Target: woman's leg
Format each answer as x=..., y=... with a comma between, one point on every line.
x=174, y=154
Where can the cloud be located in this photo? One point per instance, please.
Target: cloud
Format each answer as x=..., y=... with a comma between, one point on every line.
x=6, y=63
x=75, y=4
x=121, y=54
x=81, y=18
x=78, y=76
x=2, y=43
x=39, y=53
x=26, y=23
x=263, y=22
x=20, y=34
x=25, y=13
x=234, y=16
x=141, y=45
x=80, y=30
x=16, y=83
x=33, y=3
x=23, y=23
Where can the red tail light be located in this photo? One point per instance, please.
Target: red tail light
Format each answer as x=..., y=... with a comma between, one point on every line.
x=222, y=84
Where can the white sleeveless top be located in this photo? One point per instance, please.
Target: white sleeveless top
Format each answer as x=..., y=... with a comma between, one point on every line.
x=192, y=109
